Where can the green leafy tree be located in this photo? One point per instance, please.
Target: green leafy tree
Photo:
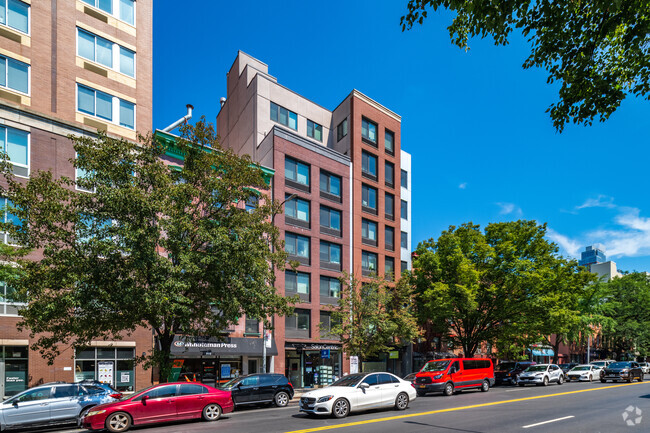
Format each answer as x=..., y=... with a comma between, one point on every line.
x=374, y=317
x=493, y=286
x=170, y=249
x=597, y=50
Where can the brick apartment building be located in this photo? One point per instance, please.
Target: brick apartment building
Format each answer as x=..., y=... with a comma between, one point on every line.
x=346, y=183
x=70, y=67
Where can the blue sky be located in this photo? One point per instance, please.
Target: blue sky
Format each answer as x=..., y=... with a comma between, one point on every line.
x=484, y=150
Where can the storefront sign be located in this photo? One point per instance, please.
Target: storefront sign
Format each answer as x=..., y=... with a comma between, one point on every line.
x=225, y=370
x=201, y=346
x=354, y=364
x=325, y=353
x=393, y=354
x=105, y=370
x=125, y=377
x=312, y=346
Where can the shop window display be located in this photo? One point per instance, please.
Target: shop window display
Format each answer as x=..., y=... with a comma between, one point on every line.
x=111, y=365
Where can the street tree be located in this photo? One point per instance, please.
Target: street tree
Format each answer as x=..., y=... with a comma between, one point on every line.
x=168, y=248
x=596, y=50
x=374, y=316
x=493, y=285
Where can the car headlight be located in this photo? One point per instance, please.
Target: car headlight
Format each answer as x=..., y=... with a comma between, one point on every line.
x=539, y=374
x=325, y=398
x=437, y=376
x=625, y=370
x=95, y=412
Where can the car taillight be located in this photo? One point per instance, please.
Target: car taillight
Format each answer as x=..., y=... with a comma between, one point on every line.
x=117, y=396
x=290, y=385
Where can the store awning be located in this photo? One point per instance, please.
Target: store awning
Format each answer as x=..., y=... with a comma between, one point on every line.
x=195, y=347
x=542, y=352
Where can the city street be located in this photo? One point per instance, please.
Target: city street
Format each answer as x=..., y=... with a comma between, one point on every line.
x=571, y=407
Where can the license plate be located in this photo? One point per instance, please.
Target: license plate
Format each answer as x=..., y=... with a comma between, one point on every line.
x=423, y=386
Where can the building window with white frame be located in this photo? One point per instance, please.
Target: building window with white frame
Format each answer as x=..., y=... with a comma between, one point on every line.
x=105, y=52
x=7, y=305
x=15, y=143
x=15, y=14
x=7, y=217
x=105, y=106
x=14, y=75
x=124, y=10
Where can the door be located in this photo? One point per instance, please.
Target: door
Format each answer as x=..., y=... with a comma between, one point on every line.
x=371, y=396
x=31, y=407
x=160, y=405
x=65, y=404
x=247, y=390
x=268, y=387
x=389, y=389
x=190, y=400
x=252, y=366
x=554, y=373
x=294, y=372
x=457, y=376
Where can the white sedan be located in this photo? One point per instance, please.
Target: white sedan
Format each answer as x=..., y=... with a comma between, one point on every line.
x=587, y=372
x=357, y=392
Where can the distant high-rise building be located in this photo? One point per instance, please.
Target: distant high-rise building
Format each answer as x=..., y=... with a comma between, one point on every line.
x=593, y=254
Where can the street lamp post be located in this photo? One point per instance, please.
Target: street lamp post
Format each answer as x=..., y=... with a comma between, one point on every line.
x=291, y=197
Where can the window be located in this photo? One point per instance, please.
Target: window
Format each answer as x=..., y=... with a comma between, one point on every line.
x=15, y=14
x=405, y=266
x=192, y=389
x=389, y=234
x=15, y=143
x=89, y=362
x=368, y=232
x=389, y=268
x=251, y=203
x=405, y=179
x=330, y=185
x=7, y=305
x=389, y=142
x=314, y=130
x=389, y=172
x=14, y=75
x=297, y=212
x=330, y=219
x=369, y=165
x=369, y=198
x=327, y=322
x=105, y=52
x=16, y=362
x=252, y=326
x=404, y=241
x=296, y=172
x=297, y=325
x=368, y=263
x=283, y=116
x=389, y=206
x=330, y=255
x=8, y=217
x=404, y=210
x=369, y=131
x=122, y=9
x=342, y=130
x=297, y=246
x=330, y=290
x=297, y=283
x=105, y=106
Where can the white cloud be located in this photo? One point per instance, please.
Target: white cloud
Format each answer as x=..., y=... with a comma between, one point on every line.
x=462, y=185
x=600, y=201
x=568, y=245
x=509, y=208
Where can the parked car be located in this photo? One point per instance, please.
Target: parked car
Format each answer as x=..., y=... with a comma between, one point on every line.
x=509, y=371
x=449, y=375
x=645, y=366
x=602, y=363
x=623, y=370
x=541, y=374
x=52, y=404
x=260, y=388
x=566, y=367
x=586, y=372
x=160, y=403
x=357, y=392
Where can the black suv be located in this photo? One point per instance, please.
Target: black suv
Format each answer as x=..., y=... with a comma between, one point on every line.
x=622, y=370
x=567, y=367
x=509, y=371
x=260, y=388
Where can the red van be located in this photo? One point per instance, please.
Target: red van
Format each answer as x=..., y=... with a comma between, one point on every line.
x=449, y=375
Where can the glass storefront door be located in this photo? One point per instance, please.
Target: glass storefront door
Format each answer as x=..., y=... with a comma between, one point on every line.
x=15, y=376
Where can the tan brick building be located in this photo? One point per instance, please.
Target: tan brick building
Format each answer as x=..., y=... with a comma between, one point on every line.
x=70, y=67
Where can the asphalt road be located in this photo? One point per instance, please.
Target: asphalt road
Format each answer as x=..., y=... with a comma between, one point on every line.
x=571, y=407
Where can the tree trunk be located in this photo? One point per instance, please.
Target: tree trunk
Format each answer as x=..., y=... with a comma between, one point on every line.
x=162, y=355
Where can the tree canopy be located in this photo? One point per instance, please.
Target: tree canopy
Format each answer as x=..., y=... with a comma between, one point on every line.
x=166, y=247
x=598, y=51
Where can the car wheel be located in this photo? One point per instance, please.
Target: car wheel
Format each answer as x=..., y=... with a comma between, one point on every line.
x=568, y=379
x=449, y=389
x=485, y=386
x=515, y=380
x=211, y=412
x=560, y=380
x=545, y=381
x=630, y=378
x=591, y=378
x=341, y=408
x=118, y=422
x=641, y=378
x=402, y=401
x=281, y=399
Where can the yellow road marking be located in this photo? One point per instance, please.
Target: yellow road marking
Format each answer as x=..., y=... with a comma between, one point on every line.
x=453, y=409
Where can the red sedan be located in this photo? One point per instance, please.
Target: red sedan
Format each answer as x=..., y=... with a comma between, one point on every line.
x=160, y=403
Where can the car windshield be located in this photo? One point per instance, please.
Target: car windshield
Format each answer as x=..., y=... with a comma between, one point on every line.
x=536, y=368
x=350, y=380
x=435, y=366
x=582, y=368
x=505, y=366
x=619, y=365
x=230, y=383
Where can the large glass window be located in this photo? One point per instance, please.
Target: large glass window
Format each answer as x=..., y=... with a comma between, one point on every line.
x=369, y=231
x=296, y=245
x=297, y=325
x=327, y=322
x=7, y=305
x=314, y=130
x=404, y=266
x=102, y=51
x=389, y=268
x=297, y=283
x=368, y=263
x=369, y=130
x=15, y=378
x=330, y=255
x=369, y=197
x=389, y=234
x=15, y=14
x=330, y=183
x=297, y=209
x=330, y=290
x=330, y=218
x=121, y=9
x=15, y=143
x=389, y=142
x=111, y=365
x=6, y=216
x=389, y=206
x=14, y=75
x=404, y=179
x=404, y=210
x=252, y=326
x=100, y=104
x=342, y=129
x=404, y=241
x=296, y=171
x=283, y=116
x=369, y=164
x=389, y=173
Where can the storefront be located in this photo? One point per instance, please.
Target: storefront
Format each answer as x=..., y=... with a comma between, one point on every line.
x=112, y=365
x=312, y=365
x=13, y=370
x=541, y=355
x=215, y=361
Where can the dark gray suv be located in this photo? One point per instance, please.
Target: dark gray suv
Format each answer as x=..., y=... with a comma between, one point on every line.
x=260, y=388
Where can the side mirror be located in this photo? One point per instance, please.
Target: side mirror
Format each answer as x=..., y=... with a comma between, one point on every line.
x=14, y=403
x=364, y=385
x=144, y=399
x=452, y=370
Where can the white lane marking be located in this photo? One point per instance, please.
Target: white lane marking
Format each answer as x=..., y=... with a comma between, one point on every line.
x=549, y=421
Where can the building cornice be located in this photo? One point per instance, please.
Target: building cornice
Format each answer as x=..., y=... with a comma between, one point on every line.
x=355, y=93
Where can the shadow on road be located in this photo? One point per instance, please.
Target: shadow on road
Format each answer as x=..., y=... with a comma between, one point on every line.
x=445, y=428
